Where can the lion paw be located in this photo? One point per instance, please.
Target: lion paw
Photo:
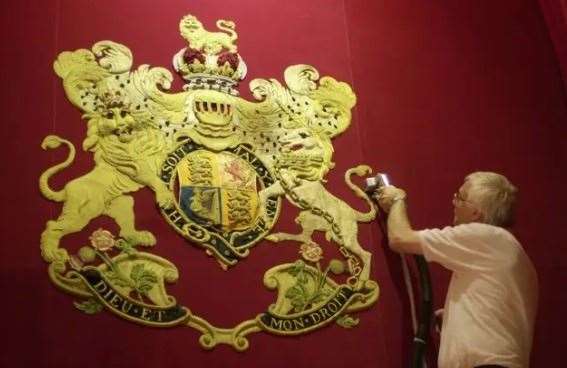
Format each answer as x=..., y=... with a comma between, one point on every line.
x=142, y=238
x=165, y=199
x=273, y=238
x=52, y=255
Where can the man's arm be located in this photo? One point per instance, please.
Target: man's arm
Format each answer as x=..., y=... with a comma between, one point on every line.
x=402, y=238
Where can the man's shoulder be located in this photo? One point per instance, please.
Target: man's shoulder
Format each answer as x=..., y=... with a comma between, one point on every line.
x=479, y=228
x=473, y=228
x=474, y=231
x=498, y=239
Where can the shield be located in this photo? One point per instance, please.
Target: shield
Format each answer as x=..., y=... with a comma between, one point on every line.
x=218, y=190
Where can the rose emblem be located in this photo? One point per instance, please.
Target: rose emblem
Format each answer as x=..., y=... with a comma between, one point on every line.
x=311, y=252
x=102, y=240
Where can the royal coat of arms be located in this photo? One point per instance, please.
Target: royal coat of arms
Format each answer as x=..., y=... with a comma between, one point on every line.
x=219, y=166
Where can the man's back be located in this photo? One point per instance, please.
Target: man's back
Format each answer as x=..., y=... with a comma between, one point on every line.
x=491, y=303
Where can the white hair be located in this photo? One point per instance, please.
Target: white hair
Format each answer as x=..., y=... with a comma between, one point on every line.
x=495, y=195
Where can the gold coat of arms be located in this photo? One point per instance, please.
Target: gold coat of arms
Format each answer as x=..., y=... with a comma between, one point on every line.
x=220, y=167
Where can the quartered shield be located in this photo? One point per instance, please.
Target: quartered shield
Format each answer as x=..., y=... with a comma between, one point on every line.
x=218, y=190
x=218, y=206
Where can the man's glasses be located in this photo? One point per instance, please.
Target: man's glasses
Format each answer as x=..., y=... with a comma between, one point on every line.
x=457, y=198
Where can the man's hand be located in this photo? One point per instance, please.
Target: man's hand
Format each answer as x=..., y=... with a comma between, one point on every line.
x=387, y=196
x=402, y=238
x=438, y=319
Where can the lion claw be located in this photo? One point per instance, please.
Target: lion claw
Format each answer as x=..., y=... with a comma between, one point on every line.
x=57, y=255
x=273, y=238
x=165, y=200
x=142, y=238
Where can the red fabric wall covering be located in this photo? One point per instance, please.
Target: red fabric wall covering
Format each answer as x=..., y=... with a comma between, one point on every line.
x=555, y=13
x=446, y=89
x=443, y=89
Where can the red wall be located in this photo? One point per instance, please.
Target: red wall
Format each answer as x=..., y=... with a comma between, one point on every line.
x=442, y=90
x=555, y=13
x=471, y=85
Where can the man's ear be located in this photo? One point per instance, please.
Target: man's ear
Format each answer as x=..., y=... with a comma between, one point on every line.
x=477, y=215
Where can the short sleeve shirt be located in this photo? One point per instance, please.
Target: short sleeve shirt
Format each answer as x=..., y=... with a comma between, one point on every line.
x=492, y=298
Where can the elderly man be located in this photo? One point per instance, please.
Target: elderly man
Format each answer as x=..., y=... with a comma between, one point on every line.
x=491, y=304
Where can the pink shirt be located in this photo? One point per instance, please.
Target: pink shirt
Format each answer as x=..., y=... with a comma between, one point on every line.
x=492, y=299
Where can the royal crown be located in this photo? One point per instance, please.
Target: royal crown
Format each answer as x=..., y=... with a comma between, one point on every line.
x=210, y=60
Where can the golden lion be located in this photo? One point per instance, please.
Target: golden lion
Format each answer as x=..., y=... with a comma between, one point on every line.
x=322, y=211
x=305, y=159
x=211, y=42
x=127, y=157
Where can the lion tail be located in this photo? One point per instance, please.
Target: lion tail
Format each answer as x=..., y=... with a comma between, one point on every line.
x=361, y=170
x=51, y=142
x=228, y=26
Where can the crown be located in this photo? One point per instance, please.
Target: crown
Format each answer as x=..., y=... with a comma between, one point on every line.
x=210, y=60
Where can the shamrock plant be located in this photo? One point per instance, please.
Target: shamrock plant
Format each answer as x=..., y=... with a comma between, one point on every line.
x=140, y=279
x=301, y=294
